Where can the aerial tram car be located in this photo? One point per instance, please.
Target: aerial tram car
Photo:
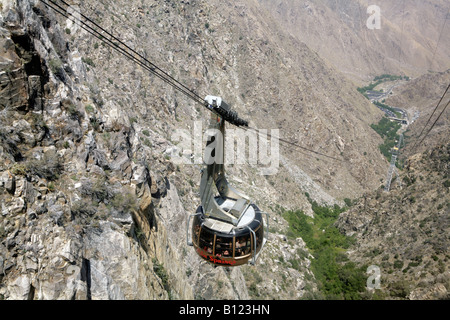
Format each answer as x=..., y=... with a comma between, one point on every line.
x=228, y=228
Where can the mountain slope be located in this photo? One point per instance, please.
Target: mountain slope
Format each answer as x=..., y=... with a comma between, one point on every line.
x=405, y=232
x=420, y=97
x=88, y=179
x=413, y=37
x=234, y=50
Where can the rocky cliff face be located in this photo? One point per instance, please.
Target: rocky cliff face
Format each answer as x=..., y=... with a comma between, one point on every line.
x=67, y=226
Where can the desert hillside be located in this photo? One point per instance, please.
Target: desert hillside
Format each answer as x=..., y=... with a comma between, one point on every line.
x=413, y=36
x=96, y=185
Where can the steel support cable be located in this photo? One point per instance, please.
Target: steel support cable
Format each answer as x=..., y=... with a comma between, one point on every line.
x=228, y=115
x=141, y=60
x=434, y=123
x=146, y=64
x=191, y=92
x=108, y=42
x=439, y=39
x=293, y=144
x=432, y=114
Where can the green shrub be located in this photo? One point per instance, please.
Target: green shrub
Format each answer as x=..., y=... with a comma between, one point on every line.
x=388, y=131
x=89, y=108
x=55, y=65
x=125, y=202
x=400, y=289
x=97, y=190
x=88, y=61
x=95, y=123
x=398, y=264
x=338, y=278
x=73, y=112
x=82, y=208
x=48, y=167
x=348, y=202
x=159, y=270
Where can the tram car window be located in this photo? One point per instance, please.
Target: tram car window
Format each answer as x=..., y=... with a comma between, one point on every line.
x=206, y=241
x=243, y=246
x=224, y=247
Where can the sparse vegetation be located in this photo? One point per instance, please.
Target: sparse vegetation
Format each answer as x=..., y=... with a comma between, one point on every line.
x=95, y=123
x=82, y=209
x=48, y=167
x=89, y=108
x=161, y=272
x=73, y=111
x=88, y=61
x=379, y=80
x=385, y=106
x=338, y=278
x=126, y=202
x=56, y=66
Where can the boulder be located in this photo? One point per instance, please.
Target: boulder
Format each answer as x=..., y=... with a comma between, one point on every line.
x=8, y=181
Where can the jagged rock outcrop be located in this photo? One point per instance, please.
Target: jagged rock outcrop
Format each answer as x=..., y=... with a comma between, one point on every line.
x=55, y=242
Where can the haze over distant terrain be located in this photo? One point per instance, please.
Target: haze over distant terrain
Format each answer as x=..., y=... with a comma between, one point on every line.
x=413, y=38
